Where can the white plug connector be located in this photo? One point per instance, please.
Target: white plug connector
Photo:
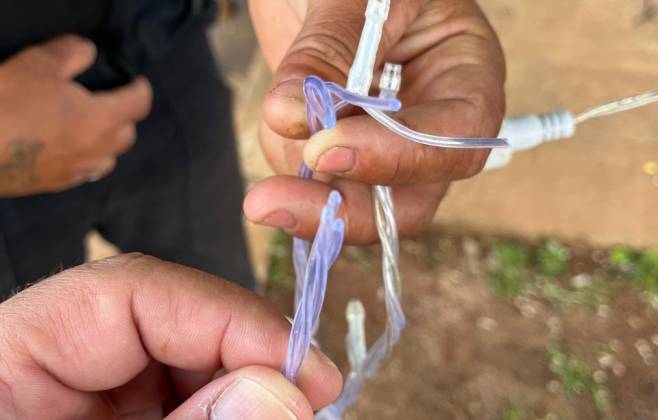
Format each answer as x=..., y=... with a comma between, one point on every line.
x=390, y=81
x=529, y=131
x=355, y=340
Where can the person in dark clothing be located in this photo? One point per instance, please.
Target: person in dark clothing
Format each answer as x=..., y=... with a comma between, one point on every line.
x=175, y=194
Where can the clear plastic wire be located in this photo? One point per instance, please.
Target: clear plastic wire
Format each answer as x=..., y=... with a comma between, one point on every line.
x=313, y=262
x=366, y=363
x=322, y=255
x=620, y=105
x=432, y=140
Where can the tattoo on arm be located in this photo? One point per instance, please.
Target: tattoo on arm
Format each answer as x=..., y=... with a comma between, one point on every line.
x=19, y=168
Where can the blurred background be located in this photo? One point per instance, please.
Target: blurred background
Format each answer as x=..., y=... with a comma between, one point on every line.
x=535, y=294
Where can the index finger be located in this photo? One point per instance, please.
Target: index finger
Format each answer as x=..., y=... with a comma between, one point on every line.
x=96, y=326
x=126, y=104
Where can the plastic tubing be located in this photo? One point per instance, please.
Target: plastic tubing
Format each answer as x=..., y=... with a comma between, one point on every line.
x=313, y=262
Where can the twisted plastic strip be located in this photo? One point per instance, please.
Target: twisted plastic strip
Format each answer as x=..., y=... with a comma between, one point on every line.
x=312, y=263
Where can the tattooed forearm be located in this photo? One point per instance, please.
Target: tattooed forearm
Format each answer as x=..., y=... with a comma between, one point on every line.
x=18, y=168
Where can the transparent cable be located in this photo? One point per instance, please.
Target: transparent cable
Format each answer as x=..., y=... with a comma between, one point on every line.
x=620, y=105
x=313, y=262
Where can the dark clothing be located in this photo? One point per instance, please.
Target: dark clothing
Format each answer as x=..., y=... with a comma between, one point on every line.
x=129, y=34
x=176, y=195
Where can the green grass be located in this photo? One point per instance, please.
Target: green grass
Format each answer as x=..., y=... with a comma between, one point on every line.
x=575, y=377
x=514, y=411
x=511, y=278
x=573, y=373
x=552, y=258
x=281, y=271
x=515, y=274
x=592, y=296
x=641, y=267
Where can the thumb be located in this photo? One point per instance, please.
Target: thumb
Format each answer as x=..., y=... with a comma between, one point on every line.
x=325, y=47
x=251, y=393
x=65, y=56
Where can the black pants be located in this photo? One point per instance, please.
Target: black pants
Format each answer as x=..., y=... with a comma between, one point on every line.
x=176, y=195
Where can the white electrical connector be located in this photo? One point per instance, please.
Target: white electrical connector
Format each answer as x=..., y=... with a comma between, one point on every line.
x=355, y=340
x=360, y=76
x=529, y=131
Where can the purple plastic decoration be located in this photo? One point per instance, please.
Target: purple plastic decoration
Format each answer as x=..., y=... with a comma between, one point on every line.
x=312, y=263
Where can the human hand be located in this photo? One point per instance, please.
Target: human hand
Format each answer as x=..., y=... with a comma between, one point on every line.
x=54, y=133
x=135, y=337
x=452, y=85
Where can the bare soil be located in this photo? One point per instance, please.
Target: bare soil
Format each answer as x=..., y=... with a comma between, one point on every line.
x=469, y=353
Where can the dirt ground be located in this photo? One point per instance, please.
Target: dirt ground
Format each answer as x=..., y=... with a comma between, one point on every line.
x=566, y=54
x=471, y=353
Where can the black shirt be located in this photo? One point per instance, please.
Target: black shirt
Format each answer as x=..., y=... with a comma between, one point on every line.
x=128, y=33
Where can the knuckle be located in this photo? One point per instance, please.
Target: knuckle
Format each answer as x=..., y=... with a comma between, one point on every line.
x=125, y=138
x=332, y=49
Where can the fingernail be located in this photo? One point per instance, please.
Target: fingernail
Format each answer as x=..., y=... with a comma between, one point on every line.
x=281, y=219
x=336, y=160
x=291, y=89
x=246, y=399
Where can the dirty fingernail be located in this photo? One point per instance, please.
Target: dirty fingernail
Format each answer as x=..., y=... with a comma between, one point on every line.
x=246, y=399
x=336, y=160
x=281, y=219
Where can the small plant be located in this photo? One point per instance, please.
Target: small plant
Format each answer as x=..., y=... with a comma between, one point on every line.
x=552, y=258
x=514, y=411
x=511, y=276
x=592, y=296
x=573, y=373
x=576, y=378
x=280, y=272
x=640, y=266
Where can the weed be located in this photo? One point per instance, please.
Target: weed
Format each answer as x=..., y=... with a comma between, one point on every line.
x=573, y=373
x=640, y=266
x=511, y=277
x=514, y=411
x=576, y=378
x=592, y=296
x=552, y=258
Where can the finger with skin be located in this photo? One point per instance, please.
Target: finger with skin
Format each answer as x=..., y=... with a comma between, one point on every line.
x=285, y=23
x=361, y=149
x=121, y=140
x=126, y=104
x=284, y=155
x=325, y=47
x=65, y=56
x=251, y=393
x=144, y=393
x=295, y=205
x=112, y=143
x=96, y=169
x=98, y=326
x=187, y=382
